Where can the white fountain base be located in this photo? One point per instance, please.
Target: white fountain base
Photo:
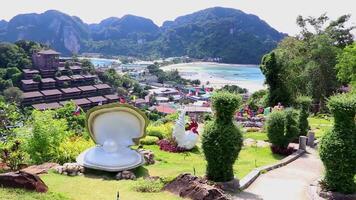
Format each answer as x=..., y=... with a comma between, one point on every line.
x=123, y=159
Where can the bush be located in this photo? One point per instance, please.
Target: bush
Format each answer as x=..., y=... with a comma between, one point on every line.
x=337, y=147
x=149, y=140
x=70, y=148
x=221, y=139
x=37, y=78
x=282, y=127
x=149, y=186
x=45, y=137
x=13, y=155
x=75, y=122
x=161, y=131
x=303, y=104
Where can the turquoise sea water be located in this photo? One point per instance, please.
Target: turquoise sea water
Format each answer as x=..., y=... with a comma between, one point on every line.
x=248, y=76
x=101, y=62
x=226, y=71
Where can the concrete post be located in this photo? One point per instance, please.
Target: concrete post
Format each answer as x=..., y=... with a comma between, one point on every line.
x=303, y=143
x=311, y=138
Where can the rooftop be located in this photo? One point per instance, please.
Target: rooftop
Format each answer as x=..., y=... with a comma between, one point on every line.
x=63, y=78
x=75, y=67
x=97, y=99
x=51, y=92
x=30, y=71
x=112, y=97
x=76, y=76
x=49, y=52
x=87, y=88
x=165, y=109
x=70, y=90
x=28, y=81
x=31, y=94
x=46, y=106
x=82, y=101
x=102, y=86
x=48, y=80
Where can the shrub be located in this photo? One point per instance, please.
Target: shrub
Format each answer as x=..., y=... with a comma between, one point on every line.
x=161, y=131
x=70, y=148
x=303, y=104
x=337, y=147
x=13, y=155
x=170, y=146
x=282, y=127
x=149, y=140
x=75, y=122
x=221, y=139
x=46, y=136
x=37, y=78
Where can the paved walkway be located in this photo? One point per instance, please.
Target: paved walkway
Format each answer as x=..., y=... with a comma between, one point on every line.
x=290, y=182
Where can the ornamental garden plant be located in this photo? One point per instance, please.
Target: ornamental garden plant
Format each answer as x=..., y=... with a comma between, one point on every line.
x=303, y=104
x=222, y=139
x=337, y=147
x=282, y=128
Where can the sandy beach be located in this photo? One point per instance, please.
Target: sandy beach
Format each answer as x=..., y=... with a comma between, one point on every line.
x=216, y=78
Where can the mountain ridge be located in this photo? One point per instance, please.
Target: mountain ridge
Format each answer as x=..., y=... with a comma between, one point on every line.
x=227, y=33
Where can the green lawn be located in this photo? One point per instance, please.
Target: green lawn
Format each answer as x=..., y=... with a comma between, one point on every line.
x=256, y=135
x=320, y=125
x=168, y=165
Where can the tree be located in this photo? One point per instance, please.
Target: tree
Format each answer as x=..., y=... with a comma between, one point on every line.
x=222, y=140
x=13, y=95
x=321, y=72
x=87, y=66
x=258, y=99
x=121, y=91
x=337, y=147
x=278, y=92
x=346, y=66
x=195, y=82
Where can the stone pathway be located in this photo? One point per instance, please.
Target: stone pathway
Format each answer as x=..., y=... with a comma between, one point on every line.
x=290, y=182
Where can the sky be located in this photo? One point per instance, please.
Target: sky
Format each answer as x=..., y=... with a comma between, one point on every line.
x=280, y=14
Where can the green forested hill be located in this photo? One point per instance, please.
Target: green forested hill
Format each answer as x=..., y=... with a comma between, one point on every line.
x=227, y=33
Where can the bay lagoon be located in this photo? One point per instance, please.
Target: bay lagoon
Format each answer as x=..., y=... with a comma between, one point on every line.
x=218, y=75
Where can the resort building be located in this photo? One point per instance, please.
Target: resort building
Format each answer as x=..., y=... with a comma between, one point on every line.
x=53, y=91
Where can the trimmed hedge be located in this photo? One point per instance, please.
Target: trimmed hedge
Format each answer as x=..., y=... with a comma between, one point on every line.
x=221, y=139
x=282, y=127
x=303, y=104
x=338, y=146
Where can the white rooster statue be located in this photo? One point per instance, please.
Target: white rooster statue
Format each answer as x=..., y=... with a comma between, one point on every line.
x=185, y=138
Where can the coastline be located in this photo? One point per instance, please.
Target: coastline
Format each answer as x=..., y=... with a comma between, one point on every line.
x=194, y=71
x=208, y=64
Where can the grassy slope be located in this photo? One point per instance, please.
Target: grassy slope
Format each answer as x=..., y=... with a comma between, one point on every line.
x=168, y=165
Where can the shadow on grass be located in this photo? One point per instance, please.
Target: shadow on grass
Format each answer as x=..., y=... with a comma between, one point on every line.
x=98, y=174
